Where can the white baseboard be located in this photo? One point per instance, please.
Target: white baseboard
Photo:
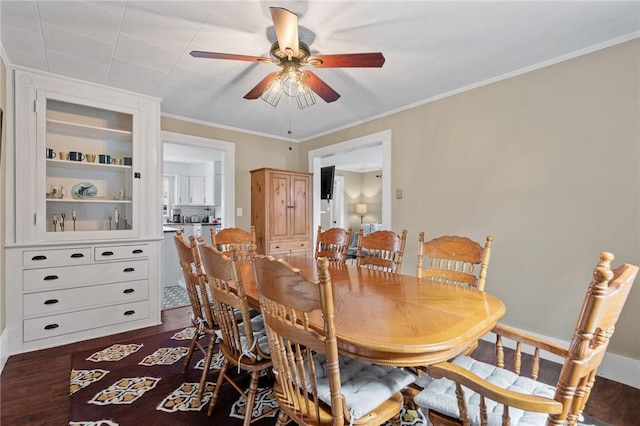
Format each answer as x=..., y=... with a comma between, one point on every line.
x=4, y=348
x=614, y=367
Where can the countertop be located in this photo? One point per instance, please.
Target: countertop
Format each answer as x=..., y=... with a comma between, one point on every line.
x=173, y=227
x=169, y=229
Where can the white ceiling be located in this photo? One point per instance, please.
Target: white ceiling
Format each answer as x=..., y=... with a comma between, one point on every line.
x=431, y=49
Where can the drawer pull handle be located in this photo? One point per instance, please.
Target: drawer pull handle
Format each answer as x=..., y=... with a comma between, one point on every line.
x=107, y=253
x=128, y=290
x=128, y=270
x=50, y=277
x=137, y=251
x=51, y=302
x=277, y=246
x=39, y=257
x=131, y=312
x=51, y=326
x=77, y=255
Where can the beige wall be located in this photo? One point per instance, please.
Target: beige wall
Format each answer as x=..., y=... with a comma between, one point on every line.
x=252, y=152
x=372, y=196
x=365, y=188
x=548, y=163
x=3, y=171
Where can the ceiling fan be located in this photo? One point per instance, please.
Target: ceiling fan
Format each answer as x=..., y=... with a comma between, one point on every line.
x=290, y=54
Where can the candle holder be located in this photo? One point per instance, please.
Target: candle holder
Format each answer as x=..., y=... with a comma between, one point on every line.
x=74, y=223
x=55, y=224
x=62, y=215
x=110, y=223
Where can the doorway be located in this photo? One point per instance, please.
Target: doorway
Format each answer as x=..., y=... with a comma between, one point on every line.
x=182, y=159
x=332, y=153
x=225, y=152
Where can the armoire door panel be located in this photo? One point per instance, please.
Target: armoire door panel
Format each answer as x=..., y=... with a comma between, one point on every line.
x=280, y=206
x=300, y=225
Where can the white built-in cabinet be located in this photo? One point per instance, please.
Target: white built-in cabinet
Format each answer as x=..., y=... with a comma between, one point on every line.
x=84, y=258
x=197, y=188
x=182, y=193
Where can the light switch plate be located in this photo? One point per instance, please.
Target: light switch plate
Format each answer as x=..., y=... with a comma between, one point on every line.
x=239, y=211
x=398, y=193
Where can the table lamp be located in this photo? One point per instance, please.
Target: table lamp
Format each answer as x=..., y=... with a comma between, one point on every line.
x=361, y=209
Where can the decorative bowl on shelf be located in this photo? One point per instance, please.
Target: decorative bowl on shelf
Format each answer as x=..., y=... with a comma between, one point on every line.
x=84, y=190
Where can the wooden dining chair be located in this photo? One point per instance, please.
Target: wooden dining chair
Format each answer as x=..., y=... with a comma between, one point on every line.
x=467, y=391
x=381, y=250
x=333, y=244
x=201, y=320
x=244, y=343
x=453, y=259
x=242, y=239
x=314, y=385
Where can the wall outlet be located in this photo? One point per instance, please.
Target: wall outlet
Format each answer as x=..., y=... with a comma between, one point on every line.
x=239, y=211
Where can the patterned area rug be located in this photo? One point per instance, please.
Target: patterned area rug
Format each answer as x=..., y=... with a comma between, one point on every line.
x=131, y=383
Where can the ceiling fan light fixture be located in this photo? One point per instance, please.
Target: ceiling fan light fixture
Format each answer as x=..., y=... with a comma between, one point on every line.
x=305, y=99
x=273, y=92
x=291, y=81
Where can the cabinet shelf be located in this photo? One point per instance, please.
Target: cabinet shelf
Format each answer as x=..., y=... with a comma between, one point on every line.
x=87, y=131
x=83, y=165
x=87, y=200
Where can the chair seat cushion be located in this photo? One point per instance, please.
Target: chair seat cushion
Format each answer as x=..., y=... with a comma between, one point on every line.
x=364, y=386
x=259, y=334
x=257, y=324
x=440, y=394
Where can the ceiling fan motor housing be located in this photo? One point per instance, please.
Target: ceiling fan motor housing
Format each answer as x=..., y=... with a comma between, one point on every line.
x=280, y=57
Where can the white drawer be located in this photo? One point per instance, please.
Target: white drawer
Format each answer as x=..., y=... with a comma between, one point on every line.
x=56, y=257
x=49, y=302
x=56, y=325
x=83, y=275
x=121, y=252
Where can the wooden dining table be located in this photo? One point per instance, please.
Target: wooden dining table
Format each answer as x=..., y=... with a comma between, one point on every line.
x=395, y=319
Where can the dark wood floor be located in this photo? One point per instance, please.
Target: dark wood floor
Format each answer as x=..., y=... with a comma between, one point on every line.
x=34, y=387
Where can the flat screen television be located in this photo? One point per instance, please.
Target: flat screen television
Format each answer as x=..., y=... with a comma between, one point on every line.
x=326, y=182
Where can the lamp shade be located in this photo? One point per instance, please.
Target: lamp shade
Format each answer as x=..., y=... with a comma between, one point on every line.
x=361, y=208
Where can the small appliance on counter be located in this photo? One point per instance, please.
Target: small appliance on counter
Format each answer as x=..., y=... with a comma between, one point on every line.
x=177, y=218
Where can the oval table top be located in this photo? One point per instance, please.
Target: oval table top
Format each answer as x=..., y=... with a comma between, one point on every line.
x=395, y=319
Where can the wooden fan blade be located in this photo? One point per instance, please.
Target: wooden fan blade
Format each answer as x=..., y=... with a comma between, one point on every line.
x=286, y=26
x=347, y=60
x=321, y=88
x=216, y=55
x=259, y=88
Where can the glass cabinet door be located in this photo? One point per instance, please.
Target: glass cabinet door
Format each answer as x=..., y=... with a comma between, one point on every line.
x=89, y=159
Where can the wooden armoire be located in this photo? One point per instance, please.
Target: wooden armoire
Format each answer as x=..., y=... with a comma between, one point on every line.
x=281, y=207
